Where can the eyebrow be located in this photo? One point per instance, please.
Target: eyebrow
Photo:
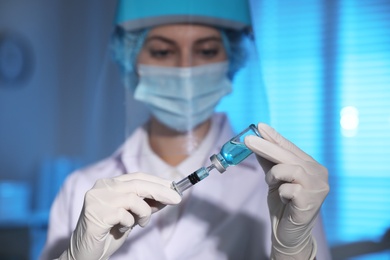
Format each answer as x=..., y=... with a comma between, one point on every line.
x=169, y=41
x=209, y=38
x=161, y=38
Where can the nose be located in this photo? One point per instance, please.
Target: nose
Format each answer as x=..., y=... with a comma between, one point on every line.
x=186, y=59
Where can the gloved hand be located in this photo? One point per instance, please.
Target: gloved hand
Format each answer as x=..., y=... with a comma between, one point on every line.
x=111, y=208
x=298, y=186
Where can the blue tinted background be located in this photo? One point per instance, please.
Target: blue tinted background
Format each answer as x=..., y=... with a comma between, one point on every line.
x=324, y=83
x=326, y=69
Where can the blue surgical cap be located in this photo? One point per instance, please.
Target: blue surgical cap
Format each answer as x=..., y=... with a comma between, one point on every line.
x=138, y=14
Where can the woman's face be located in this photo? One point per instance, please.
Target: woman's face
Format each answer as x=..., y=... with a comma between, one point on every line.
x=182, y=45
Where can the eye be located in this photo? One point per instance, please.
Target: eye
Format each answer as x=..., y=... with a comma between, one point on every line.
x=208, y=52
x=160, y=53
x=209, y=49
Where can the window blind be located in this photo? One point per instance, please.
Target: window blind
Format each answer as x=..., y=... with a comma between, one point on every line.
x=326, y=74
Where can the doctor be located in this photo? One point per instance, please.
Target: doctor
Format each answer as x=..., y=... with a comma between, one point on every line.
x=180, y=58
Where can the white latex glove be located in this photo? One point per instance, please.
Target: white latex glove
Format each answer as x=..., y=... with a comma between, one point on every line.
x=298, y=186
x=111, y=208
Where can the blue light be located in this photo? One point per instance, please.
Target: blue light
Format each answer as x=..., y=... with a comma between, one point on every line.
x=349, y=121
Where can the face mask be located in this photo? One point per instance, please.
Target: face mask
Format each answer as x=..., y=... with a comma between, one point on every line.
x=182, y=98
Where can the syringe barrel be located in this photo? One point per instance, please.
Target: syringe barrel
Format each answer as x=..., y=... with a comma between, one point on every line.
x=182, y=185
x=190, y=180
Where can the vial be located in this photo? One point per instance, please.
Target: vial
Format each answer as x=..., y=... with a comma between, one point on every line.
x=234, y=151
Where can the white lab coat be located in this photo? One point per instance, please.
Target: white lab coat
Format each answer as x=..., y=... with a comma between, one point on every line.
x=223, y=217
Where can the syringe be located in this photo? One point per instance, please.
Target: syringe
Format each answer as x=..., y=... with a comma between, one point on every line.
x=232, y=153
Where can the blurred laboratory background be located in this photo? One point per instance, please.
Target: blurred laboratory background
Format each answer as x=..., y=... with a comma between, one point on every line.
x=325, y=71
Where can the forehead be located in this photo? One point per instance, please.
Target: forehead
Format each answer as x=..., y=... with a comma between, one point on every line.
x=184, y=32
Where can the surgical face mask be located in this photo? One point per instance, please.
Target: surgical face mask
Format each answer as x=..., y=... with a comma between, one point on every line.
x=182, y=98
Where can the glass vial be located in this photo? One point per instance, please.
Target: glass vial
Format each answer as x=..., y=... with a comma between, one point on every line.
x=234, y=151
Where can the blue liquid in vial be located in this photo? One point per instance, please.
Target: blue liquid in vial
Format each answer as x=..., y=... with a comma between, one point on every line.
x=234, y=152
